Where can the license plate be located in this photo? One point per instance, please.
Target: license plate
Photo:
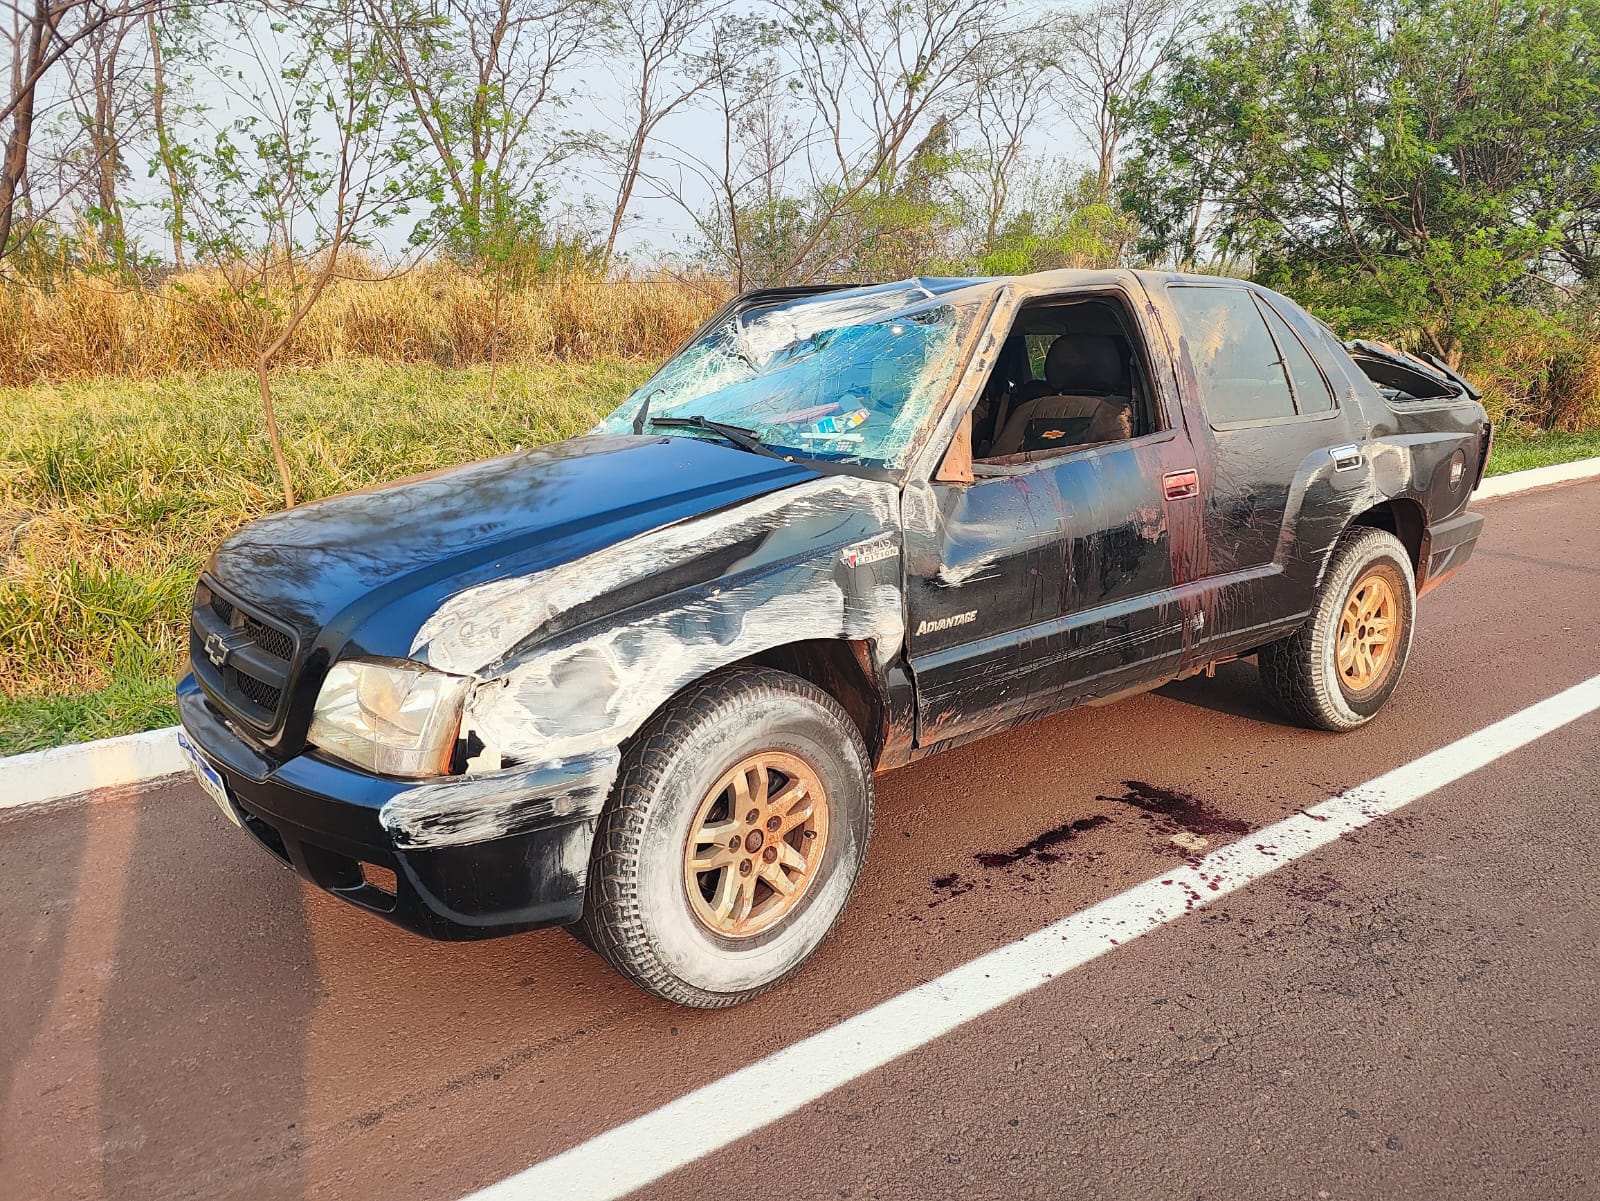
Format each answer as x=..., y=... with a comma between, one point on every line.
x=210, y=779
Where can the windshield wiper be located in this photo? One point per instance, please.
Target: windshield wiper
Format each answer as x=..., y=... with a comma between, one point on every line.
x=736, y=434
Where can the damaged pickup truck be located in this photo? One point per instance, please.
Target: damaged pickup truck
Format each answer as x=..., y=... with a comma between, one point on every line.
x=638, y=683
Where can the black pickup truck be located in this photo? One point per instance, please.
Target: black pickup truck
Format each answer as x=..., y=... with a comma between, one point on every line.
x=638, y=683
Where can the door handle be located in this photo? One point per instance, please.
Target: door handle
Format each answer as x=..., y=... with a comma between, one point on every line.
x=1180, y=485
x=1345, y=458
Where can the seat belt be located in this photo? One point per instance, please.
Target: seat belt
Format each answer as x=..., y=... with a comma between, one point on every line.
x=1001, y=412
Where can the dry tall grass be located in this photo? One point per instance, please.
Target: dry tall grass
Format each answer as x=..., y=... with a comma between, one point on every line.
x=1541, y=378
x=83, y=325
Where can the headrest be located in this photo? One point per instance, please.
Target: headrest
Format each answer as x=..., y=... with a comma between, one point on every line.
x=1079, y=364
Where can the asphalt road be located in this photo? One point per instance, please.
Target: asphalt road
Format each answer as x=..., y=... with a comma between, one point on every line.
x=1412, y=1012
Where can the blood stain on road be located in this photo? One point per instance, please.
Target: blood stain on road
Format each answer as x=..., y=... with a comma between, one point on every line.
x=1172, y=811
x=1039, y=849
x=949, y=887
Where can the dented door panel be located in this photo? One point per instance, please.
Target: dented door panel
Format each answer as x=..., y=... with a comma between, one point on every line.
x=1035, y=590
x=1275, y=503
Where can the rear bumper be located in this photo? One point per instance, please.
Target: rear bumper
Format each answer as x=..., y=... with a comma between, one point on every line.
x=1447, y=547
x=471, y=856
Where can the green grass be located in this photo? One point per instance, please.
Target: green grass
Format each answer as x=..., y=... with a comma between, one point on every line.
x=113, y=492
x=139, y=697
x=1519, y=452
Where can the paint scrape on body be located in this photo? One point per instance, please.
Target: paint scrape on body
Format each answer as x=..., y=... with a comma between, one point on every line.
x=474, y=628
x=818, y=560
x=479, y=808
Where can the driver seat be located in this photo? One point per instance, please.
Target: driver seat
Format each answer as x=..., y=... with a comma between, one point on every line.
x=1086, y=376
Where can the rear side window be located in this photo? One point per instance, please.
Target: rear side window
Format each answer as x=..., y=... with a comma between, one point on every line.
x=1240, y=372
x=1311, y=391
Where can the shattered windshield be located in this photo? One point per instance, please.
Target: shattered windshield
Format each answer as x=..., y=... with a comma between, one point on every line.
x=847, y=377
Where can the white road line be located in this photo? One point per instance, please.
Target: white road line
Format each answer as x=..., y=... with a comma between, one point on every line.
x=710, y=1118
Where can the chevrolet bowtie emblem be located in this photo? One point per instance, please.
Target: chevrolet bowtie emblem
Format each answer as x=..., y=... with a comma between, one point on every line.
x=217, y=649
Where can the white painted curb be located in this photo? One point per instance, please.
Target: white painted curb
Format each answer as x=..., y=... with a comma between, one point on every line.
x=67, y=771
x=1537, y=477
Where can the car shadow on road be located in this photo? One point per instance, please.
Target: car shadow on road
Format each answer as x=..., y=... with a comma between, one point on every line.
x=203, y=1035
x=1235, y=691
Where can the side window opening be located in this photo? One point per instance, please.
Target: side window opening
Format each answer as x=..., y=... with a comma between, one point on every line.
x=1071, y=377
x=1241, y=372
x=1038, y=351
x=1400, y=378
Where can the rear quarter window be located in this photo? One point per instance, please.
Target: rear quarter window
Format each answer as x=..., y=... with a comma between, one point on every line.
x=1038, y=349
x=1311, y=392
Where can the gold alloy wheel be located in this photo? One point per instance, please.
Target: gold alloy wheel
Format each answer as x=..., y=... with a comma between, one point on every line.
x=755, y=844
x=1368, y=628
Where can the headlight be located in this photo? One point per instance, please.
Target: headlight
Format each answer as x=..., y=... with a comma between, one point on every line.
x=394, y=718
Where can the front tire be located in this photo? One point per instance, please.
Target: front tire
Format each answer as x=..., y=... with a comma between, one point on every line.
x=732, y=840
x=1337, y=670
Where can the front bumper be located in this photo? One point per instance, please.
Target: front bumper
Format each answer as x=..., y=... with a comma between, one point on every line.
x=471, y=856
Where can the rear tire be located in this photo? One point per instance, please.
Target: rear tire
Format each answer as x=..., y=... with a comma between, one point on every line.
x=1337, y=670
x=693, y=918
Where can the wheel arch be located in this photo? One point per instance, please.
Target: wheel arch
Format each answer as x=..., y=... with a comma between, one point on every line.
x=1406, y=520
x=841, y=667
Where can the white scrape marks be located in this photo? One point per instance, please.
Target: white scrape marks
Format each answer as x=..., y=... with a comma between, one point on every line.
x=590, y=689
x=474, y=627
x=721, y=1113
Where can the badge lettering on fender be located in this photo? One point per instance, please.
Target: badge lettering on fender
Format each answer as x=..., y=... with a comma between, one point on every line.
x=935, y=624
x=863, y=553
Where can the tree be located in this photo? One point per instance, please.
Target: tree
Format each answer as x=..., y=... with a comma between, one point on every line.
x=1422, y=170
x=878, y=75
x=321, y=151
x=1059, y=220
x=1105, y=58
x=733, y=188
x=107, y=99
x=660, y=54
x=167, y=150
x=44, y=38
x=482, y=77
x=1010, y=83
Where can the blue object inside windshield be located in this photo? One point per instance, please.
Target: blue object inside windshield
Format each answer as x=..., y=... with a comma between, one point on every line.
x=811, y=379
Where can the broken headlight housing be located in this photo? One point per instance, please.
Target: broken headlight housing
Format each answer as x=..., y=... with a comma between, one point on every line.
x=393, y=717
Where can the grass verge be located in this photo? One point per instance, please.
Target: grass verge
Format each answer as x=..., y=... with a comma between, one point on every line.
x=1520, y=452
x=113, y=492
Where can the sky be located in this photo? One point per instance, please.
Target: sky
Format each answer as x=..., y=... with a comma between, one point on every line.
x=580, y=189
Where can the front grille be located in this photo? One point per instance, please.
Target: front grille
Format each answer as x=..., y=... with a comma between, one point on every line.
x=275, y=642
x=260, y=692
x=244, y=659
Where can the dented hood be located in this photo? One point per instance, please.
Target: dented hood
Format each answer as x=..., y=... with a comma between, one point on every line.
x=402, y=547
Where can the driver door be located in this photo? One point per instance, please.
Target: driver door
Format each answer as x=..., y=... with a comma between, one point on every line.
x=1043, y=587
